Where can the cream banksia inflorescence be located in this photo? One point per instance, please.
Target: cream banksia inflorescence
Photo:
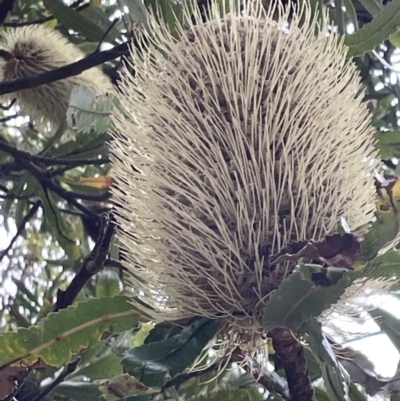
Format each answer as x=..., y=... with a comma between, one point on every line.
x=242, y=136
x=34, y=49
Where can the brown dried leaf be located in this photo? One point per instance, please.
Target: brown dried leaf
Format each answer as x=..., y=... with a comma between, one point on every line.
x=10, y=378
x=339, y=250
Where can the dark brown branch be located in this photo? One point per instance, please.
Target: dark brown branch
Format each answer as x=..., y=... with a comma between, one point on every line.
x=70, y=368
x=92, y=264
x=27, y=161
x=70, y=196
x=21, y=227
x=66, y=71
x=48, y=161
x=293, y=358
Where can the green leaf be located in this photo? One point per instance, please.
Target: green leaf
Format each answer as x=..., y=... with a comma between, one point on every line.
x=230, y=394
x=156, y=362
x=55, y=223
x=21, y=210
x=388, y=142
x=387, y=138
x=374, y=7
x=74, y=20
x=16, y=191
x=23, y=290
x=142, y=334
x=389, y=324
x=137, y=11
x=108, y=283
x=101, y=368
x=98, y=17
x=383, y=232
x=72, y=390
x=123, y=386
x=89, y=111
x=61, y=130
x=356, y=394
x=68, y=331
x=164, y=330
x=335, y=376
x=299, y=298
x=379, y=29
x=351, y=12
x=85, y=146
x=386, y=265
x=320, y=394
x=170, y=11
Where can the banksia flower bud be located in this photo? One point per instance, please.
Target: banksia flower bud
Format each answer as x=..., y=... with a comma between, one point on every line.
x=242, y=136
x=32, y=50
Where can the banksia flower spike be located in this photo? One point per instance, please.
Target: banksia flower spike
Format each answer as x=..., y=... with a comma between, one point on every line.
x=238, y=138
x=31, y=50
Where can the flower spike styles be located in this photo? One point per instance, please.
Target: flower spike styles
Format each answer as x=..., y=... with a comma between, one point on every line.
x=246, y=133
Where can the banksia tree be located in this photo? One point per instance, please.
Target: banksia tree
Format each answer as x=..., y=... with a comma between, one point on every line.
x=237, y=139
x=31, y=50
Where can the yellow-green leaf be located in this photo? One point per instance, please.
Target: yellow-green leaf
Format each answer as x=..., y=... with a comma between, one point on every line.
x=60, y=334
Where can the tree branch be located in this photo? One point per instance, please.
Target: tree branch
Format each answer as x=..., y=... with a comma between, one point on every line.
x=92, y=264
x=48, y=161
x=27, y=161
x=292, y=355
x=21, y=227
x=66, y=71
x=70, y=368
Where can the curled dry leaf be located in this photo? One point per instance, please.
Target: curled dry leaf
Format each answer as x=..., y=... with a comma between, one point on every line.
x=339, y=250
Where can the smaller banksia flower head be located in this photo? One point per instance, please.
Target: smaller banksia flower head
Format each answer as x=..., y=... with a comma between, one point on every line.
x=238, y=138
x=35, y=49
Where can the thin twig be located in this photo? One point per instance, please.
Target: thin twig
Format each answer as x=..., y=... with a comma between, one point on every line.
x=92, y=264
x=115, y=263
x=66, y=71
x=21, y=227
x=53, y=210
x=6, y=108
x=111, y=26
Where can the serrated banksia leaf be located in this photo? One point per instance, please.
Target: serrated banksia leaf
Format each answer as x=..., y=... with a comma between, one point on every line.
x=241, y=136
x=35, y=49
